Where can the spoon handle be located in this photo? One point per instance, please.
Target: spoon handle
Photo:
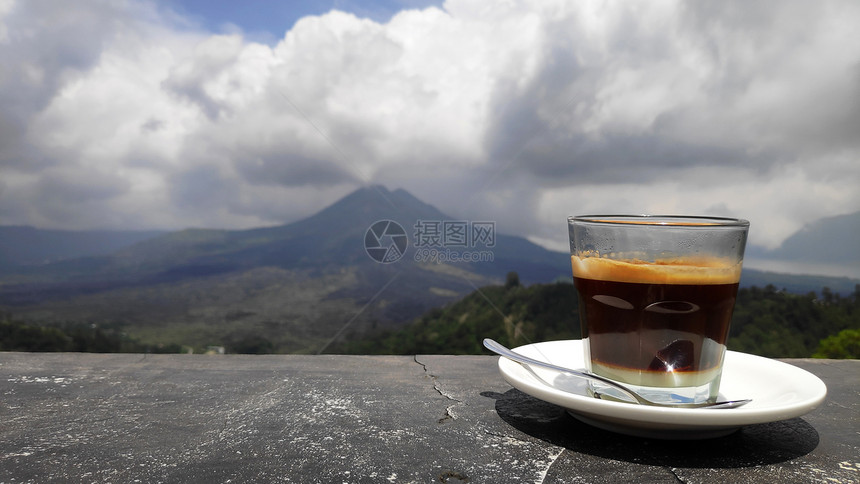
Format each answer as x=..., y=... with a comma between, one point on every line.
x=501, y=350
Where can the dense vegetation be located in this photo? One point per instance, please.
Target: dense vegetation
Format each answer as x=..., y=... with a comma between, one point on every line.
x=773, y=323
x=767, y=322
x=19, y=336
x=110, y=338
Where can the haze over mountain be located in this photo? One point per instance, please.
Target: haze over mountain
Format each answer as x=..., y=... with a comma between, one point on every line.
x=809, y=251
x=297, y=285
x=816, y=241
x=332, y=238
x=22, y=246
x=329, y=239
x=817, y=248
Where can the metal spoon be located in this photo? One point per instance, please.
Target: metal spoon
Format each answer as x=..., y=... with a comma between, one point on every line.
x=501, y=350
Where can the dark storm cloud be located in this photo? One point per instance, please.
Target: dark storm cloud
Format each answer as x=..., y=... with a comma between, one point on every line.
x=540, y=133
x=741, y=97
x=624, y=159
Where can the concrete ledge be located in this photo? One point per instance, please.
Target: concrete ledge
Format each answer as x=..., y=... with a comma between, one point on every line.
x=429, y=418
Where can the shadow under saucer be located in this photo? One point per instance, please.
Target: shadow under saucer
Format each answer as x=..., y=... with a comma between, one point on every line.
x=752, y=445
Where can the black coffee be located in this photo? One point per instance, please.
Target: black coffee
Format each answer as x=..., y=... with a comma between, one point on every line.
x=660, y=329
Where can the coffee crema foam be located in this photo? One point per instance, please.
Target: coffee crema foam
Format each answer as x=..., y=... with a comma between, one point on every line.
x=687, y=270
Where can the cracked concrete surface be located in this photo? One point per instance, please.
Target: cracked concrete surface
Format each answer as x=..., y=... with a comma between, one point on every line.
x=428, y=418
x=449, y=415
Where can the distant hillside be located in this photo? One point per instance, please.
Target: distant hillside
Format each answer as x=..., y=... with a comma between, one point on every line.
x=824, y=241
x=798, y=283
x=766, y=322
x=293, y=288
x=24, y=246
x=297, y=285
x=825, y=246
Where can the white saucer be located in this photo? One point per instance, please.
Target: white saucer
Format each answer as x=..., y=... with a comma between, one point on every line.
x=779, y=391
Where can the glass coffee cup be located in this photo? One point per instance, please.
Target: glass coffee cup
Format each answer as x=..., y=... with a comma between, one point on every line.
x=656, y=295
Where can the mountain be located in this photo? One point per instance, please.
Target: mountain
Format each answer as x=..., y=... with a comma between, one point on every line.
x=828, y=240
x=799, y=283
x=298, y=285
x=293, y=288
x=327, y=241
x=827, y=246
x=23, y=246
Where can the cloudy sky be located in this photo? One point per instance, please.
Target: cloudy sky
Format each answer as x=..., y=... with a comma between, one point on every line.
x=175, y=113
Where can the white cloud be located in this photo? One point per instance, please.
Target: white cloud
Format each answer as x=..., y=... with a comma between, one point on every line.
x=521, y=112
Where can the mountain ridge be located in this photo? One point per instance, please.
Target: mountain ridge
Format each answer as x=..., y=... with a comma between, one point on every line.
x=295, y=284
x=318, y=240
x=299, y=286
x=25, y=245
x=816, y=238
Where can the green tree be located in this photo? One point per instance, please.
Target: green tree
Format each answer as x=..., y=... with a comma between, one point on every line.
x=251, y=344
x=15, y=336
x=845, y=344
x=512, y=280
